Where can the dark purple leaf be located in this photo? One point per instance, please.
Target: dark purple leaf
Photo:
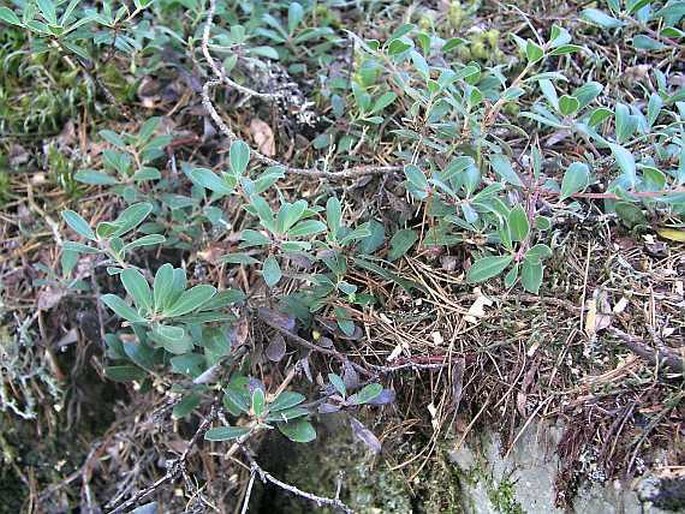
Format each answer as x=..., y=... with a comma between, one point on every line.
x=304, y=363
x=328, y=408
x=253, y=384
x=387, y=396
x=326, y=342
x=457, y=382
x=350, y=376
x=280, y=319
x=365, y=435
x=276, y=349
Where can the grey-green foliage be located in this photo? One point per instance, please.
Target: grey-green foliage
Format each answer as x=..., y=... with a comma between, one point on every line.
x=451, y=123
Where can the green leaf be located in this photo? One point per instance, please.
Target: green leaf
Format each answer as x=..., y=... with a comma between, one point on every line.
x=122, y=309
x=225, y=433
x=131, y=217
x=630, y=214
x=401, y=242
x=518, y=223
x=186, y=406
x=599, y=115
x=95, y=178
x=289, y=214
x=397, y=46
x=534, y=52
x=600, y=18
x=511, y=276
x=307, y=228
x=190, y=300
x=587, y=93
x=271, y=271
x=73, y=246
x=299, y=431
x=576, y=179
x=383, y=101
x=78, y=224
x=644, y=42
x=531, y=275
x=416, y=177
x=539, y=252
x=558, y=36
x=137, y=287
x=568, y=105
x=338, y=383
x=547, y=88
x=487, y=267
x=637, y=5
x=125, y=373
x=367, y=394
x=7, y=15
x=147, y=130
x=105, y=230
x=502, y=166
x=295, y=15
x=113, y=138
x=239, y=157
x=258, y=402
x=286, y=400
x=210, y=180
x=626, y=161
x=625, y=123
x=148, y=240
x=287, y=415
x=264, y=212
x=173, y=339
x=47, y=8
x=566, y=49
x=654, y=108
x=333, y=215
x=146, y=173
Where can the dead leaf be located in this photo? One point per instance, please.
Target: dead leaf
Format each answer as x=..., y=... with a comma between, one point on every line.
x=598, y=315
x=276, y=349
x=672, y=234
x=477, y=309
x=49, y=297
x=263, y=137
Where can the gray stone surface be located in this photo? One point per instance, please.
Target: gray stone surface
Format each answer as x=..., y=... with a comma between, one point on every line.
x=522, y=480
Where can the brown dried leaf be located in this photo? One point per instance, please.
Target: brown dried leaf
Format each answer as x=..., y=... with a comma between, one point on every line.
x=263, y=137
x=49, y=297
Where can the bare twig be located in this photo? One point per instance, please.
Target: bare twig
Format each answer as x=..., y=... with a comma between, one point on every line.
x=265, y=476
x=174, y=470
x=248, y=492
x=656, y=356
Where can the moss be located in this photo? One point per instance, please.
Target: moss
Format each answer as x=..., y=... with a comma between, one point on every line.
x=369, y=485
x=503, y=497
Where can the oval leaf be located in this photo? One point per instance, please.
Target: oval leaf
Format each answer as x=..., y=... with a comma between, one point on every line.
x=487, y=267
x=299, y=431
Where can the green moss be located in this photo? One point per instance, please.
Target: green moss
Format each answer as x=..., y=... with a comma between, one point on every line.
x=503, y=497
x=369, y=485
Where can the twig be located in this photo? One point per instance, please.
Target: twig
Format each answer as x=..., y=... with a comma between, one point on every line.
x=265, y=476
x=656, y=356
x=248, y=493
x=175, y=469
x=354, y=172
